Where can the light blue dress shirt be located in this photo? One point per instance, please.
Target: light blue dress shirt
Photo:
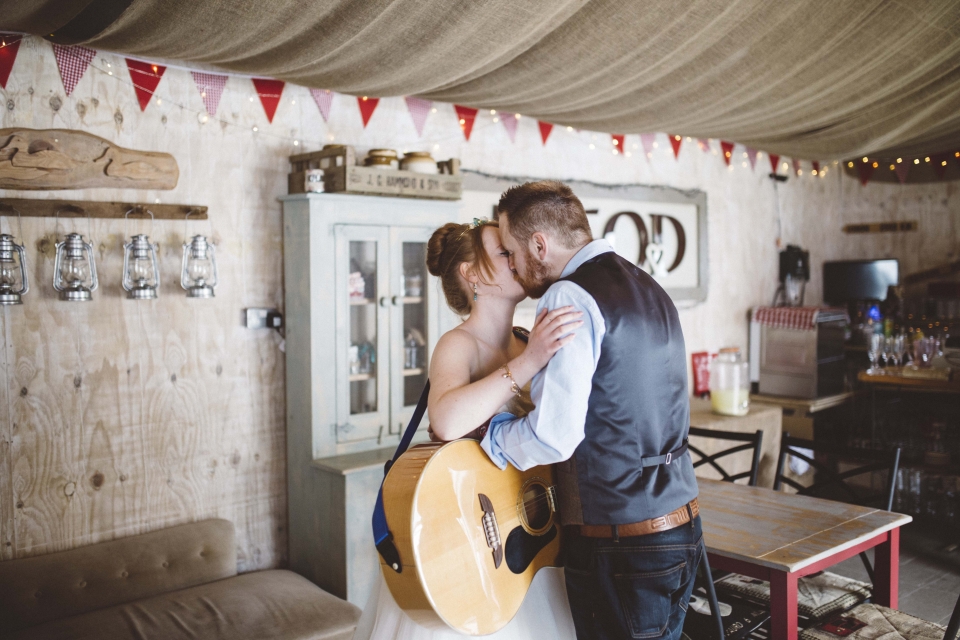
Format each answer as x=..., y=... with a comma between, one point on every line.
x=553, y=430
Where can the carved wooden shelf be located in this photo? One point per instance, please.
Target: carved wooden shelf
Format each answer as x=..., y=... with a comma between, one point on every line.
x=48, y=208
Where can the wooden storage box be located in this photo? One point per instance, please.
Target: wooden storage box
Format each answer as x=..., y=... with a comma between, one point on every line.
x=341, y=174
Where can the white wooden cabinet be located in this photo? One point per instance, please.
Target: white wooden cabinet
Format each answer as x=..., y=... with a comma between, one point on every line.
x=362, y=319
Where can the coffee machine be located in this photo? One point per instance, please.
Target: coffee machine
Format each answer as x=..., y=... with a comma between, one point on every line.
x=794, y=275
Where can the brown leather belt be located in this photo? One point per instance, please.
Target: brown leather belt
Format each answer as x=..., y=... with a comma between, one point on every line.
x=672, y=520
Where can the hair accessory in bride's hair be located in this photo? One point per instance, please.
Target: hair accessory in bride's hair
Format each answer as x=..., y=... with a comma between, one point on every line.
x=477, y=222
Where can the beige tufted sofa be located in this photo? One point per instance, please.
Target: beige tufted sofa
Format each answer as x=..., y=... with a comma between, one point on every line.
x=179, y=582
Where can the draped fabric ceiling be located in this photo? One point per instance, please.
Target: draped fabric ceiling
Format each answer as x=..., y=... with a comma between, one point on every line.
x=821, y=79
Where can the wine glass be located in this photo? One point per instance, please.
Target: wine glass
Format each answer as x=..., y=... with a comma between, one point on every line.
x=898, y=349
x=886, y=351
x=873, y=352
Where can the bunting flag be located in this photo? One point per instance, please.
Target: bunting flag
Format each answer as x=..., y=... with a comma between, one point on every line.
x=466, y=116
x=367, y=107
x=618, y=142
x=72, y=63
x=675, y=142
x=752, y=155
x=865, y=169
x=545, y=129
x=816, y=168
x=210, y=86
x=774, y=161
x=648, y=140
x=704, y=144
x=510, y=122
x=796, y=166
x=419, y=110
x=324, y=100
x=9, y=46
x=145, y=77
x=269, y=91
x=727, y=148
x=901, y=169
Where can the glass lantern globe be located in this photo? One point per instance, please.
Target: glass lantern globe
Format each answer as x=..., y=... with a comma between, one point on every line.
x=74, y=271
x=141, y=272
x=198, y=276
x=13, y=271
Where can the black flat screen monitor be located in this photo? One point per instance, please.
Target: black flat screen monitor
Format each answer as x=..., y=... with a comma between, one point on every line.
x=854, y=280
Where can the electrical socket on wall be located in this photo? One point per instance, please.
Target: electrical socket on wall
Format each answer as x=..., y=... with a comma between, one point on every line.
x=259, y=318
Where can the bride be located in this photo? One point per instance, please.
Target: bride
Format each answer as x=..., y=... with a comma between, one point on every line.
x=475, y=371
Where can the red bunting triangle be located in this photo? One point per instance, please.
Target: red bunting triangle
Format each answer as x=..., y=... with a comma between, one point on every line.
x=704, y=144
x=545, y=129
x=367, y=107
x=145, y=77
x=210, y=86
x=774, y=161
x=675, y=142
x=9, y=46
x=752, y=155
x=72, y=63
x=865, y=169
x=618, y=142
x=419, y=110
x=901, y=169
x=510, y=122
x=324, y=100
x=269, y=91
x=816, y=168
x=727, y=148
x=466, y=116
x=648, y=140
x=796, y=166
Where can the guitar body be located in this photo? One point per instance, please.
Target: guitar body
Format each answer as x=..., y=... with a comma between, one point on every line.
x=470, y=536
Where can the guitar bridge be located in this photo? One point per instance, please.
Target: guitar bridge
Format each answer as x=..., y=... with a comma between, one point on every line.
x=491, y=530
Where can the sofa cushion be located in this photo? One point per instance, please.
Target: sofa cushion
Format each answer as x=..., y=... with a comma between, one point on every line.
x=57, y=585
x=258, y=605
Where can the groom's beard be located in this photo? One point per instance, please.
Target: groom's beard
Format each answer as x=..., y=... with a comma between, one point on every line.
x=537, y=281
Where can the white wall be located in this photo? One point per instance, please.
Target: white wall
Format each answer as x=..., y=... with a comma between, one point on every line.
x=181, y=410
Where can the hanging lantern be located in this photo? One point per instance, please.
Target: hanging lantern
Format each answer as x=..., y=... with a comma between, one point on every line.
x=74, y=271
x=13, y=271
x=199, y=272
x=141, y=273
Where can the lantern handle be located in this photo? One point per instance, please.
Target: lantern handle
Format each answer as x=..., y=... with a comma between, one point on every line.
x=75, y=208
x=9, y=207
x=138, y=209
x=186, y=218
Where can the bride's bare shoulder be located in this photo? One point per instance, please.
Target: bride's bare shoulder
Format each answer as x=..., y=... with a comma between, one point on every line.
x=457, y=341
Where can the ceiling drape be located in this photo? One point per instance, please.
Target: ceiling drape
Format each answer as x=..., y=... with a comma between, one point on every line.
x=820, y=79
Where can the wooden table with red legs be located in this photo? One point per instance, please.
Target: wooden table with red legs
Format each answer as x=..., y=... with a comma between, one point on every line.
x=780, y=537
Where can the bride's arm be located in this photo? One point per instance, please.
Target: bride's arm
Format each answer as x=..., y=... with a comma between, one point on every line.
x=457, y=406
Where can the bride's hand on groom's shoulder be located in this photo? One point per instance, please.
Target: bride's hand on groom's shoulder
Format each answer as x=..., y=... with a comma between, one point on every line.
x=550, y=332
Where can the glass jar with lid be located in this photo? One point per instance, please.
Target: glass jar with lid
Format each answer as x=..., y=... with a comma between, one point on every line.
x=730, y=383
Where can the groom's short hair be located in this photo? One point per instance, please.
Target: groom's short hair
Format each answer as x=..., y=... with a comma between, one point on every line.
x=547, y=205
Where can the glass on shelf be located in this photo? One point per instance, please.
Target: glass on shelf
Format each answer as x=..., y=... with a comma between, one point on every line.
x=874, y=341
x=362, y=353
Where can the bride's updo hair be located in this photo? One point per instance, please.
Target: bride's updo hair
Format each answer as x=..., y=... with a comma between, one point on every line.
x=450, y=246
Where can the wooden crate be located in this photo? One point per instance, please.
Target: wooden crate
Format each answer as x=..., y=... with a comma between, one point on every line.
x=343, y=175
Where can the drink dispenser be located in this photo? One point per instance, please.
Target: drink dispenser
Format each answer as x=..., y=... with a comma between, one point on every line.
x=730, y=383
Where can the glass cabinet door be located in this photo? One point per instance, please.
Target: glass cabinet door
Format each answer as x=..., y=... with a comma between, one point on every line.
x=363, y=332
x=413, y=323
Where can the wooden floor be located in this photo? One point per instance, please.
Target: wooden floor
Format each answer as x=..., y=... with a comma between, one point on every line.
x=928, y=587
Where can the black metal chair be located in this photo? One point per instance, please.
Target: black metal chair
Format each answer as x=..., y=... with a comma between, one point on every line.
x=750, y=440
x=832, y=484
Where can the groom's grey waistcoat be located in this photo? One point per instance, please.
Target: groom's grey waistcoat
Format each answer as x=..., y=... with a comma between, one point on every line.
x=638, y=405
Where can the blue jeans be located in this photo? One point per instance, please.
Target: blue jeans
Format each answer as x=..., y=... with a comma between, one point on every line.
x=638, y=587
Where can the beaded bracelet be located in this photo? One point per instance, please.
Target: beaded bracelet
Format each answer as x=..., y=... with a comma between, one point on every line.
x=514, y=387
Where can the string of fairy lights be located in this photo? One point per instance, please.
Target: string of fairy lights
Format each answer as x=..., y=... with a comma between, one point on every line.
x=483, y=119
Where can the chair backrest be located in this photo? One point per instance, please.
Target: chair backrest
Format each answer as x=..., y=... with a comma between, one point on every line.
x=67, y=583
x=751, y=441
x=833, y=484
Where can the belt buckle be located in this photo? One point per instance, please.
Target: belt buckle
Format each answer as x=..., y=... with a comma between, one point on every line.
x=669, y=458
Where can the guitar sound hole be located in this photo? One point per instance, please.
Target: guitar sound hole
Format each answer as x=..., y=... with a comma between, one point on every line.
x=521, y=547
x=536, y=506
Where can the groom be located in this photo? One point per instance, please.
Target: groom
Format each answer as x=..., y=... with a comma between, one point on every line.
x=612, y=410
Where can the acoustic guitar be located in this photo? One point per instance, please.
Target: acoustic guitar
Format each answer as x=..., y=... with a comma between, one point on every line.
x=470, y=537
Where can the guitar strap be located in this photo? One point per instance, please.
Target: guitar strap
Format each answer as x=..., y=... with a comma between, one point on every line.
x=381, y=532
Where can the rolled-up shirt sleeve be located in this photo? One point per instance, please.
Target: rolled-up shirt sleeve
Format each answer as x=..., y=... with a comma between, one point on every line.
x=561, y=391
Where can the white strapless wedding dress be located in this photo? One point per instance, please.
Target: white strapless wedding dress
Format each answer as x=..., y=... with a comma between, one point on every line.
x=545, y=612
